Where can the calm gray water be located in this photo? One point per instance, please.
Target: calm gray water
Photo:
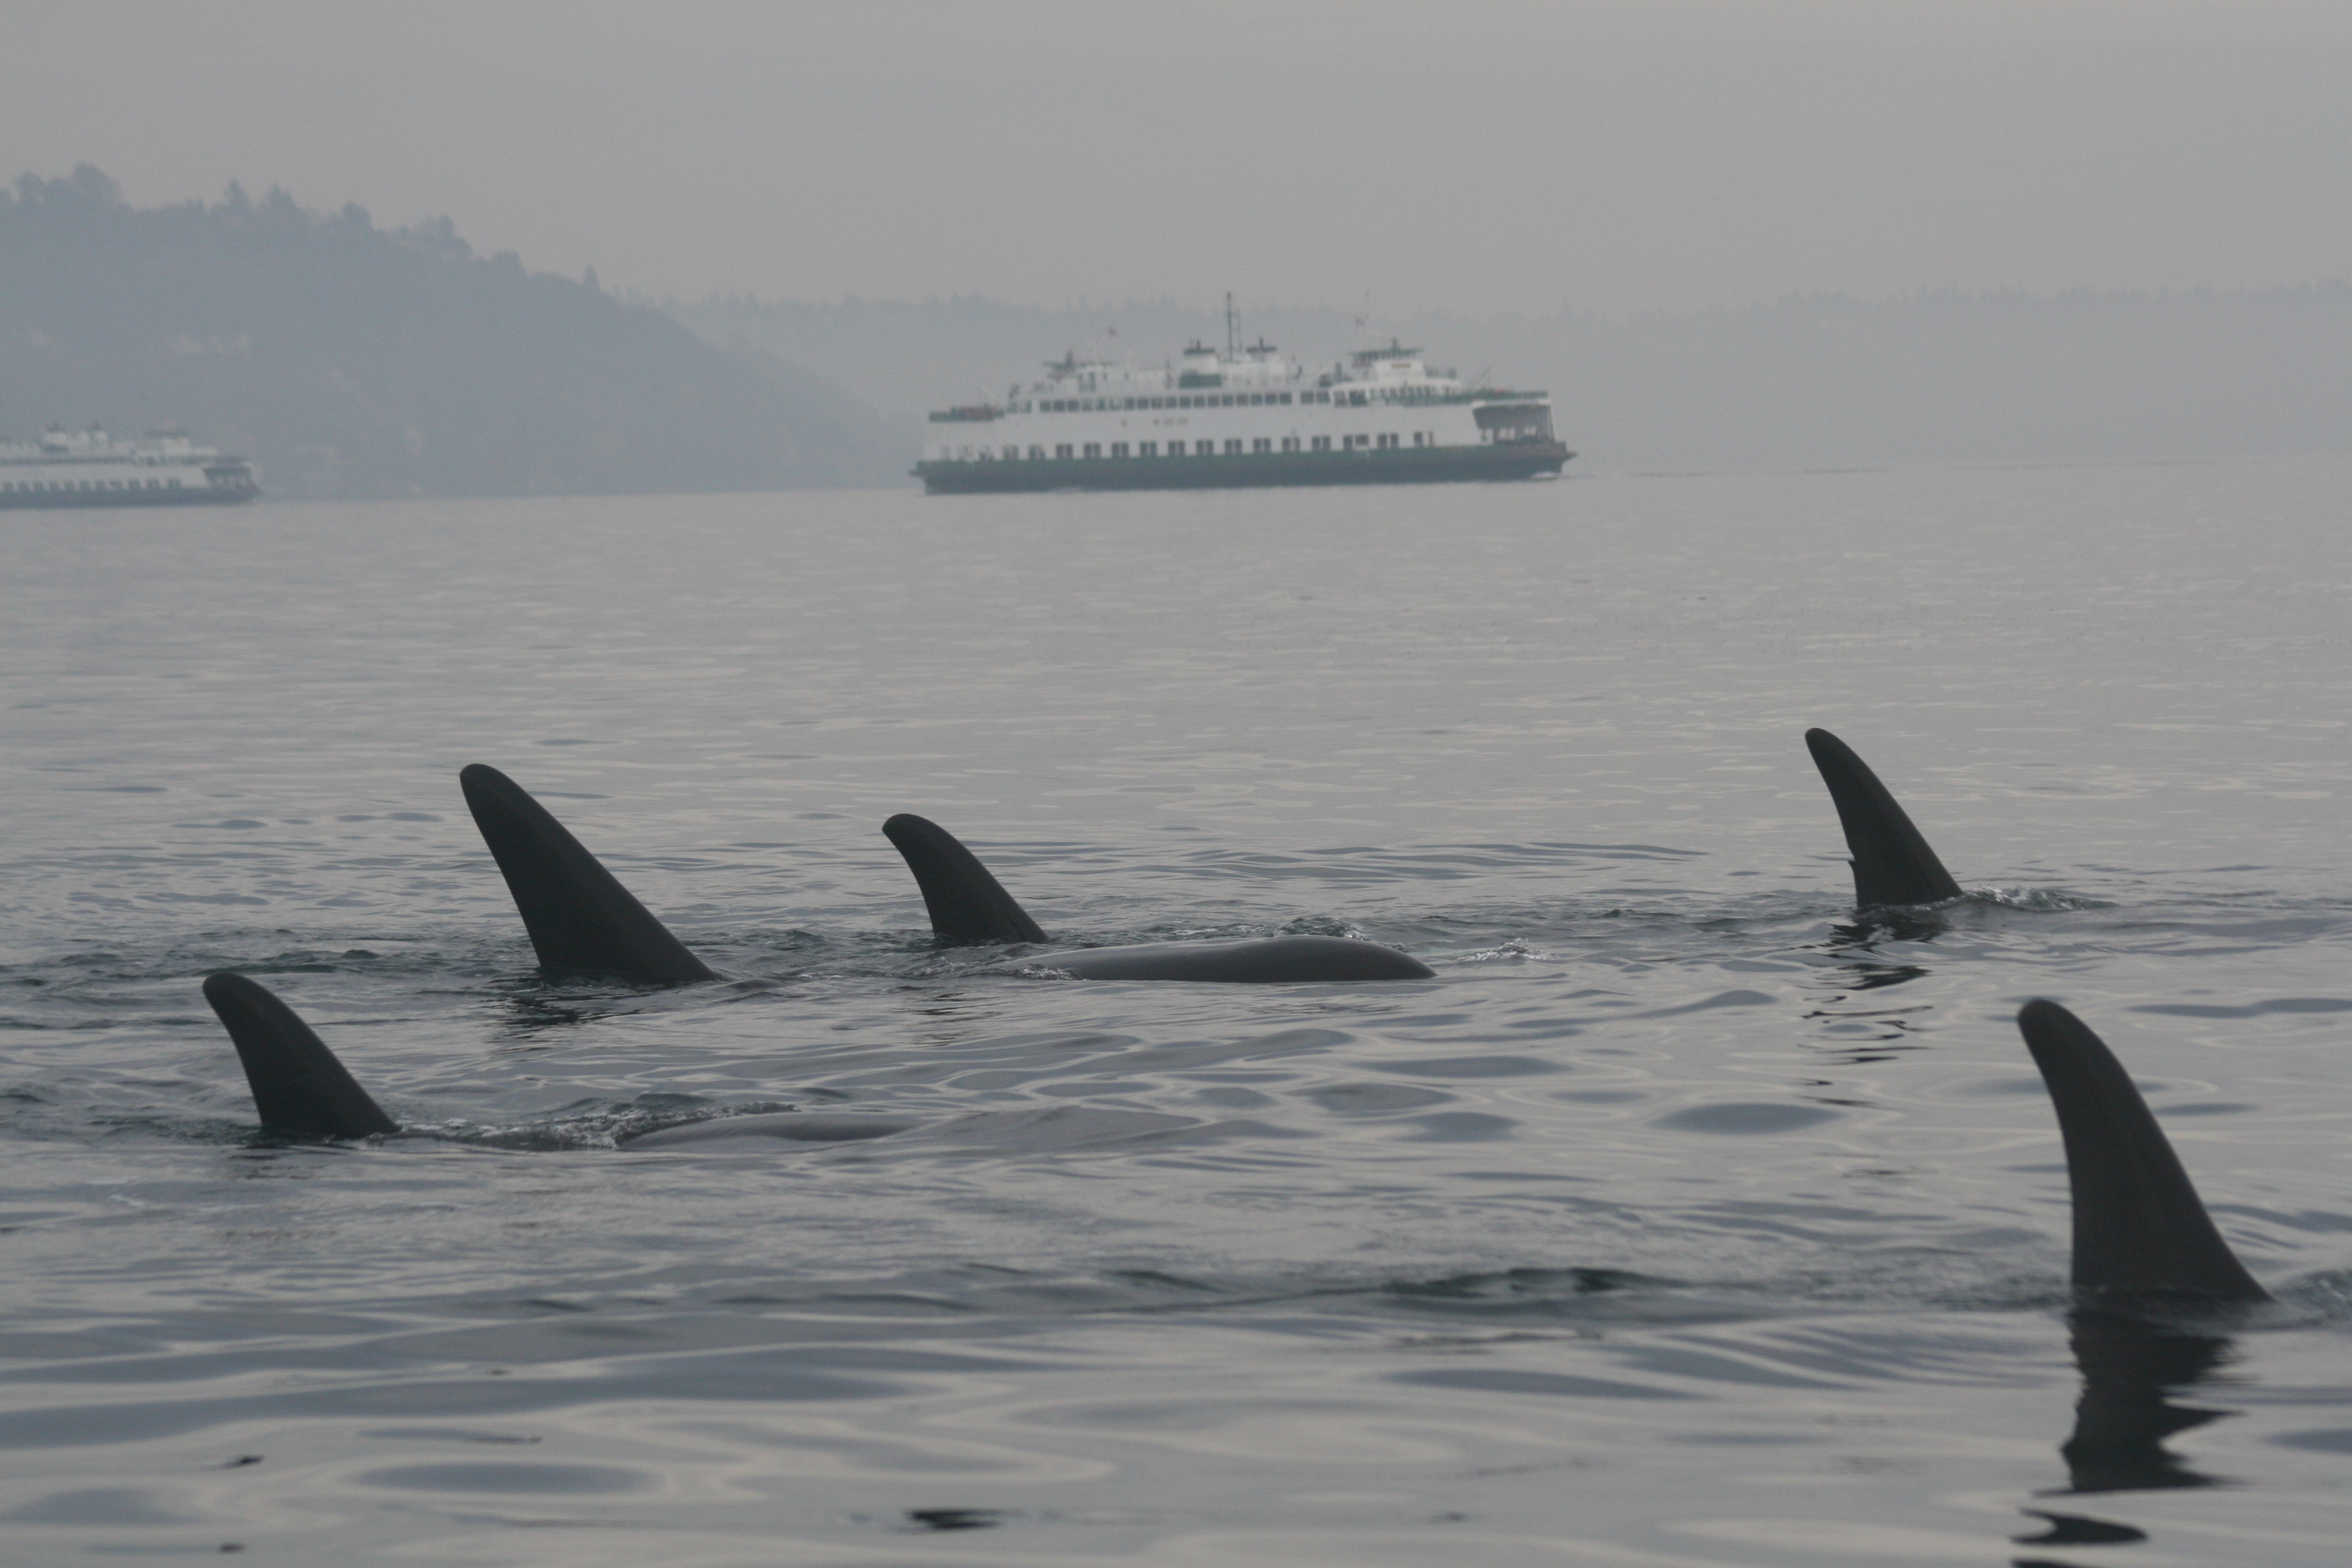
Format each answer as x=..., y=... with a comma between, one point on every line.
x=1679, y=1222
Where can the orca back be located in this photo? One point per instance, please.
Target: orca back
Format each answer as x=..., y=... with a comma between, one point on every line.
x=966, y=903
x=2141, y=1231
x=1264, y=961
x=579, y=917
x=1891, y=862
x=299, y=1087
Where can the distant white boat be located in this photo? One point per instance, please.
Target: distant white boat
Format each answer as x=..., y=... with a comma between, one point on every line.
x=91, y=468
x=1244, y=416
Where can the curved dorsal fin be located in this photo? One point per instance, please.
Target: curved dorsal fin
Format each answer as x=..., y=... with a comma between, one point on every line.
x=579, y=917
x=299, y=1087
x=2141, y=1231
x=967, y=904
x=1892, y=863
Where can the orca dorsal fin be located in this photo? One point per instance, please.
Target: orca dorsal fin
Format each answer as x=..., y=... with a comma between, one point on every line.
x=579, y=917
x=299, y=1087
x=1892, y=863
x=2141, y=1231
x=967, y=904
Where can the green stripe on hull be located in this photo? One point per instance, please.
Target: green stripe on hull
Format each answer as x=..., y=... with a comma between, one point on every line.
x=92, y=500
x=1394, y=465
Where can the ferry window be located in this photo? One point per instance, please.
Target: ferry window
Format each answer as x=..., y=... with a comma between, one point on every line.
x=1159, y=403
x=1290, y=443
x=1036, y=454
x=1094, y=448
x=1229, y=399
x=1012, y=454
x=1063, y=450
x=1147, y=449
x=1283, y=398
x=1322, y=443
x=1118, y=448
x=1263, y=443
x=1204, y=449
x=1233, y=448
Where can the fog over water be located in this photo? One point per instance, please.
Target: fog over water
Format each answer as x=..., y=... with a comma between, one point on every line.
x=1966, y=379
x=1515, y=156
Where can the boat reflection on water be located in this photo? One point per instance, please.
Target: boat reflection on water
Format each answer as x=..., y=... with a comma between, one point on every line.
x=2130, y=1370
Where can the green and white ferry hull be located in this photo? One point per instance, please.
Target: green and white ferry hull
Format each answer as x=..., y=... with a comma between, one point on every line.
x=1242, y=417
x=91, y=468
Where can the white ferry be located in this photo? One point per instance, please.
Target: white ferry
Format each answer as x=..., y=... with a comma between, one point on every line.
x=89, y=468
x=1246, y=416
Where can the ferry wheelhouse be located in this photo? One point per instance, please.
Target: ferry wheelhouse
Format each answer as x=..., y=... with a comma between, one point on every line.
x=1242, y=417
x=92, y=469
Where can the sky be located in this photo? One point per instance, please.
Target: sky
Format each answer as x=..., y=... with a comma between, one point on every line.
x=1481, y=156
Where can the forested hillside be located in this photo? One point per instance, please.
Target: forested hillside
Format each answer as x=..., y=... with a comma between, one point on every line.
x=348, y=360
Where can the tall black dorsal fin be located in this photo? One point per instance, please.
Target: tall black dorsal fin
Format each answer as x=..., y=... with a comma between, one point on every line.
x=1892, y=863
x=299, y=1087
x=579, y=917
x=967, y=904
x=2141, y=1231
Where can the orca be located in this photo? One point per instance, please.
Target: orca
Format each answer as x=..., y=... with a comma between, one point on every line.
x=299, y=1087
x=303, y=1092
x=969, y=906
x=579, y=917
x=2141, y=1235
x=1891, y=862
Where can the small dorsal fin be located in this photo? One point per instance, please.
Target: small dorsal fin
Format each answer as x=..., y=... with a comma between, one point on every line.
x=299, y=1087
x=2140, y=1232
x=1892, y=863
x=967, y=904
x=579, y=917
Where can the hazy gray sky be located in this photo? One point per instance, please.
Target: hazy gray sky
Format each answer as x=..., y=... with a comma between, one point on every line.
x=1510, y=155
